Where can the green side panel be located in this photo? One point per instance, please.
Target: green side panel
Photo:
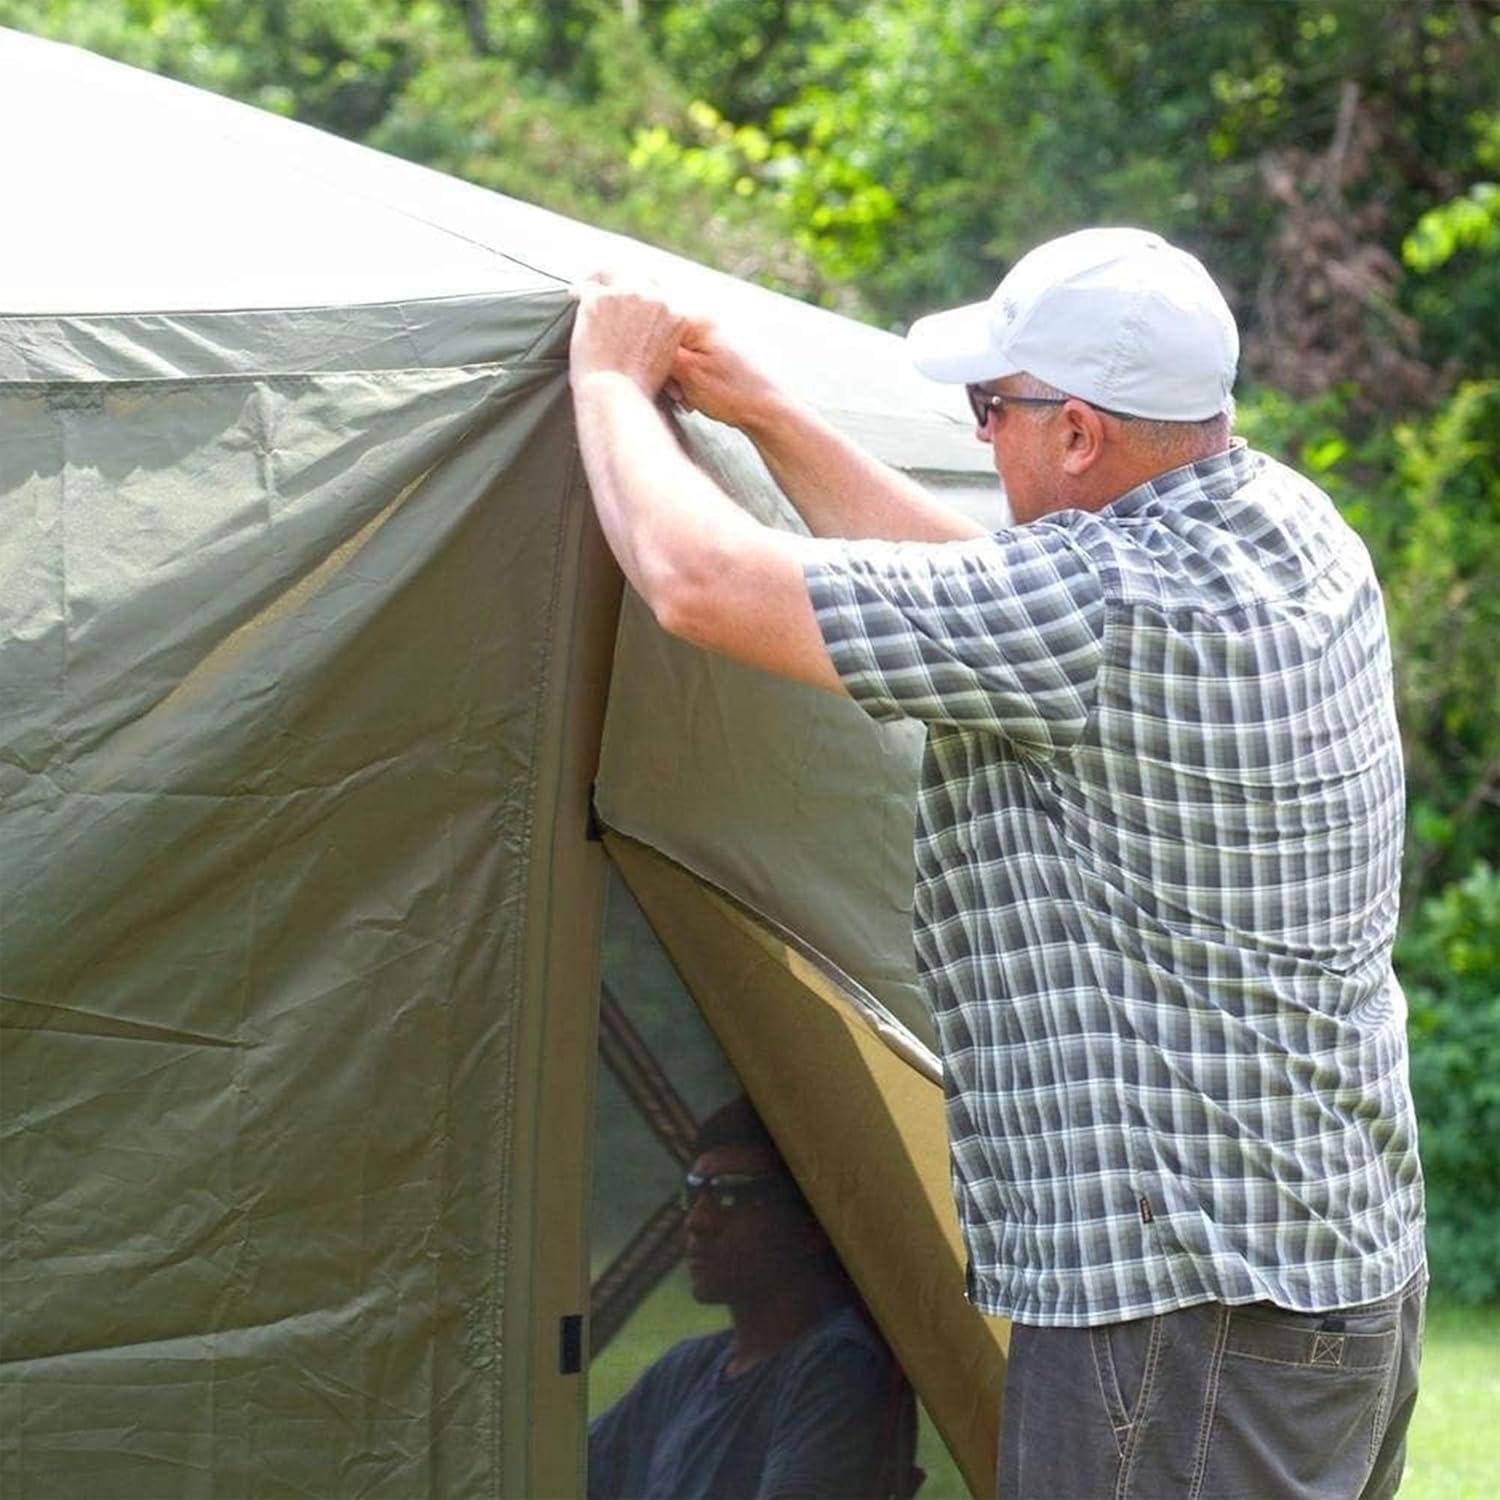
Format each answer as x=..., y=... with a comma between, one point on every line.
x=272, y=725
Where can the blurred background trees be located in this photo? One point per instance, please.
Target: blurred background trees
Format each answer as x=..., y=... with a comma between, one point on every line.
x=1335, y=162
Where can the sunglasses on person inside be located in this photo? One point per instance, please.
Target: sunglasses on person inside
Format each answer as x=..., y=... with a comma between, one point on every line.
x=729, y=1191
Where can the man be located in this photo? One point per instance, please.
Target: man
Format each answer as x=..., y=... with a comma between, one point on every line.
x=1158, y=844
x=800, y=1397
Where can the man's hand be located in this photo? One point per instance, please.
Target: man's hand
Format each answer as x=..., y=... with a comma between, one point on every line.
x=624, y=328
x=710, y=375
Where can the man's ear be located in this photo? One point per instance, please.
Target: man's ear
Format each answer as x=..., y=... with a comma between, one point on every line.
x=1083, y=437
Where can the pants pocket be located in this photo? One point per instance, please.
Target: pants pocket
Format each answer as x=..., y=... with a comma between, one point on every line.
x=1124, y=1356
x=1109, y=1386
x=1300, y=1403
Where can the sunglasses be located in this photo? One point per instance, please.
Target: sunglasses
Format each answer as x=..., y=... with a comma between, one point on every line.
x=985, y=403
x=731, y=1191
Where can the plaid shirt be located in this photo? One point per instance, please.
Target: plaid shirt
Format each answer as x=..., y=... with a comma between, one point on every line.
x=1158, y=848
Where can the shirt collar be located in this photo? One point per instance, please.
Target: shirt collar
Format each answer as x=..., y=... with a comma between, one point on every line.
x=1213, y=478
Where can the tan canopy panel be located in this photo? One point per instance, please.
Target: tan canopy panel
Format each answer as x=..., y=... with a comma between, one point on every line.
x=306, y=635
x=862, y=1129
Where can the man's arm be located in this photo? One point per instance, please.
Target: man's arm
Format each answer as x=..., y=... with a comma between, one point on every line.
x=707, y=571
x=838, y=488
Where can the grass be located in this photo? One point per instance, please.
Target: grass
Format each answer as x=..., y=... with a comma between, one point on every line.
x=1454, y=1448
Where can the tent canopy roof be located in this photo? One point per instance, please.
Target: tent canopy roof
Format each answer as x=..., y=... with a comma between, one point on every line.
x=178, y=201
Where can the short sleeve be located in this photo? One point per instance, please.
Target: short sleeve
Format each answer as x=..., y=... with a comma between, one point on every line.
x=1003, y=634
x=620, y=1441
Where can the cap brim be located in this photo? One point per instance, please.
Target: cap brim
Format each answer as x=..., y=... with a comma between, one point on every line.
x=957, y=346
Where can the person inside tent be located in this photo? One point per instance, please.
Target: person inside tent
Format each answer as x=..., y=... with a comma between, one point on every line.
x=799, y=1397
x=1158, y=849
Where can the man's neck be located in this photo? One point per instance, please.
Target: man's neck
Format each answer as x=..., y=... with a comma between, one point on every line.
x=1133, y=469
x=767, y=1326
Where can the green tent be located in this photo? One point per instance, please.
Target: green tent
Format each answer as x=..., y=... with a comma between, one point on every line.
x=308, y=793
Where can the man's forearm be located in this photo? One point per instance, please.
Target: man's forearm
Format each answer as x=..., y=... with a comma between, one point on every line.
x=842, y=491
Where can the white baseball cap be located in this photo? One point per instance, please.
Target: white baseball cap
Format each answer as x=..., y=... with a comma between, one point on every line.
x=1117, y=317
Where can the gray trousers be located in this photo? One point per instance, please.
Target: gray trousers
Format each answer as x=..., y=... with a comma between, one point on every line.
x=1214, y=1401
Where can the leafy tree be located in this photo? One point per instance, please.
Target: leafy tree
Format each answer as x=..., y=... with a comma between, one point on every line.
x=1454, y=251
x=1443, y=583
x=1450, y=961
x=748, y=58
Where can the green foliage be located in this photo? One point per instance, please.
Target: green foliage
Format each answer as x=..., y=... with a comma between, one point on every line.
x=1470, y=222
x=750, y=57
x=1454, y=249
x=990, y=125
x=1443, y=586
x=1449, y=961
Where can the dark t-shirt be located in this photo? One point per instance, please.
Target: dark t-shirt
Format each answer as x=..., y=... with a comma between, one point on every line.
x=825, y=1417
